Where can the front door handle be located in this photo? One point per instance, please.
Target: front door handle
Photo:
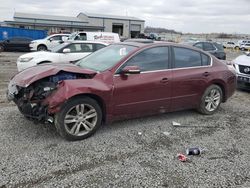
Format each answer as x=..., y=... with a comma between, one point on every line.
x=206, y=74
x=164, y=80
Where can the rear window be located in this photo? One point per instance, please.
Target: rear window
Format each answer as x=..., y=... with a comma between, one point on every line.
x=186, y=58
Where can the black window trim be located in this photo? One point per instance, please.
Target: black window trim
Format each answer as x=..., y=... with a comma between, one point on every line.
x=117, y=72
x=173, y=59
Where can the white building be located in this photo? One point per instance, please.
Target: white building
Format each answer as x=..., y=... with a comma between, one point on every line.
x=124, y=25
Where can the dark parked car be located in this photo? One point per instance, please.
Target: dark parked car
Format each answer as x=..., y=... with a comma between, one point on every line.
x=213, y=48
x=123, y=80
x=15, y=44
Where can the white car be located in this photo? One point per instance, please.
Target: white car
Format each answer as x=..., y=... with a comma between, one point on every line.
x=67, y=52
x=245, y=46
x=48, y=43
x=240, y=43
x=242, y=67
x=229, y=45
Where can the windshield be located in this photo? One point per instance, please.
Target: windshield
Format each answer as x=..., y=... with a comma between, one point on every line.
x=56, y=49
x=105, y=58
x=72, y=36
x=219, y=46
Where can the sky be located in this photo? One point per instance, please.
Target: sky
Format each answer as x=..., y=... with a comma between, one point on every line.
x=194, y=16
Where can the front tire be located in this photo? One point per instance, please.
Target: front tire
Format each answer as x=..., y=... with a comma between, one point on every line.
x=41, y=48
x=210, y=100
x=78, y=119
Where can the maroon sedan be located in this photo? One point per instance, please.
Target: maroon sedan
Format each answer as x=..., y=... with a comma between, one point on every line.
x=123, y=80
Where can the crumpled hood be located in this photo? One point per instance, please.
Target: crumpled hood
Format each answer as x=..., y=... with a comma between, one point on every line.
x=32, y=74
x=242, y=60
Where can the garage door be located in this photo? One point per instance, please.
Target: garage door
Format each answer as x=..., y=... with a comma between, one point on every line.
x=135, y=27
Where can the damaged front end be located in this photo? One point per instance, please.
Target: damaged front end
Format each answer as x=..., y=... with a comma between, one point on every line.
x=30, y=98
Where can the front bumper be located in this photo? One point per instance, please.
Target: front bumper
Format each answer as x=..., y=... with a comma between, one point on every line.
x=243, y=81
x=34, y=111
x=33, y=47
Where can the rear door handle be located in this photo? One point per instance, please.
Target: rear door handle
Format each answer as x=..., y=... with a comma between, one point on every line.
x=206, y=74
x=164, y=80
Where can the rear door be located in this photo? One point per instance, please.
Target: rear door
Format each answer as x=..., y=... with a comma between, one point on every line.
x=191, y=72
x=23, y=44
x=11, y=44
x=148, y=92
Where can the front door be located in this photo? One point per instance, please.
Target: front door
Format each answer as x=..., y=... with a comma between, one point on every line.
x=54, y=41
x=148, y=92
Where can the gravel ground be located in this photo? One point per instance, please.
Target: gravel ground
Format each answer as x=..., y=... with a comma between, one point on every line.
x=132, y=153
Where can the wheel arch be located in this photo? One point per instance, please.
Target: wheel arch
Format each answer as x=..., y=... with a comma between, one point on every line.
x=42, y=44
x=45, y=61
x=97, y=98
x=223, y=88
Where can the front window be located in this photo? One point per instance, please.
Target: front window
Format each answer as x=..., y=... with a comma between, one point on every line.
x=59, y=48
x=150, y=59
x=80, y=47
x=105, y=58
x=56, y=38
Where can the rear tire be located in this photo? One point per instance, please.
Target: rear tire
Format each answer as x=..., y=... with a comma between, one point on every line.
x=41, y=48
x=78, y=119
x=210, y=100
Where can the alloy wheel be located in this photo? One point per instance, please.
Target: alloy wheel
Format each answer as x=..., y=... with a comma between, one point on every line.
x=80, y=119
x=212, y=100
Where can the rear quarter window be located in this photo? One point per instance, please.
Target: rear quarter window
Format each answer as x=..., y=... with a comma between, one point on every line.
x=205, y=59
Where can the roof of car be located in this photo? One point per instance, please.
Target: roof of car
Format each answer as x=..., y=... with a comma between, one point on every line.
x=59, y=34
x=158, y=43
x=141, y=44
x=86, y=41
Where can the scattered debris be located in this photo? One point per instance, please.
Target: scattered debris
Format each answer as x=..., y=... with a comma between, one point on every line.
x=166, y=133
x=193, y=151
x=182, y=157
x=175, y=123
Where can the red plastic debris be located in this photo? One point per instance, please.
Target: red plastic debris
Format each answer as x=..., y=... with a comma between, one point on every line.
x=182, y=157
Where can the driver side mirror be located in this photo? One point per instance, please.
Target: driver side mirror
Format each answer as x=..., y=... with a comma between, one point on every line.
x=7, y=40
x=66, y=50
x=51, y=39
x=131, y=70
